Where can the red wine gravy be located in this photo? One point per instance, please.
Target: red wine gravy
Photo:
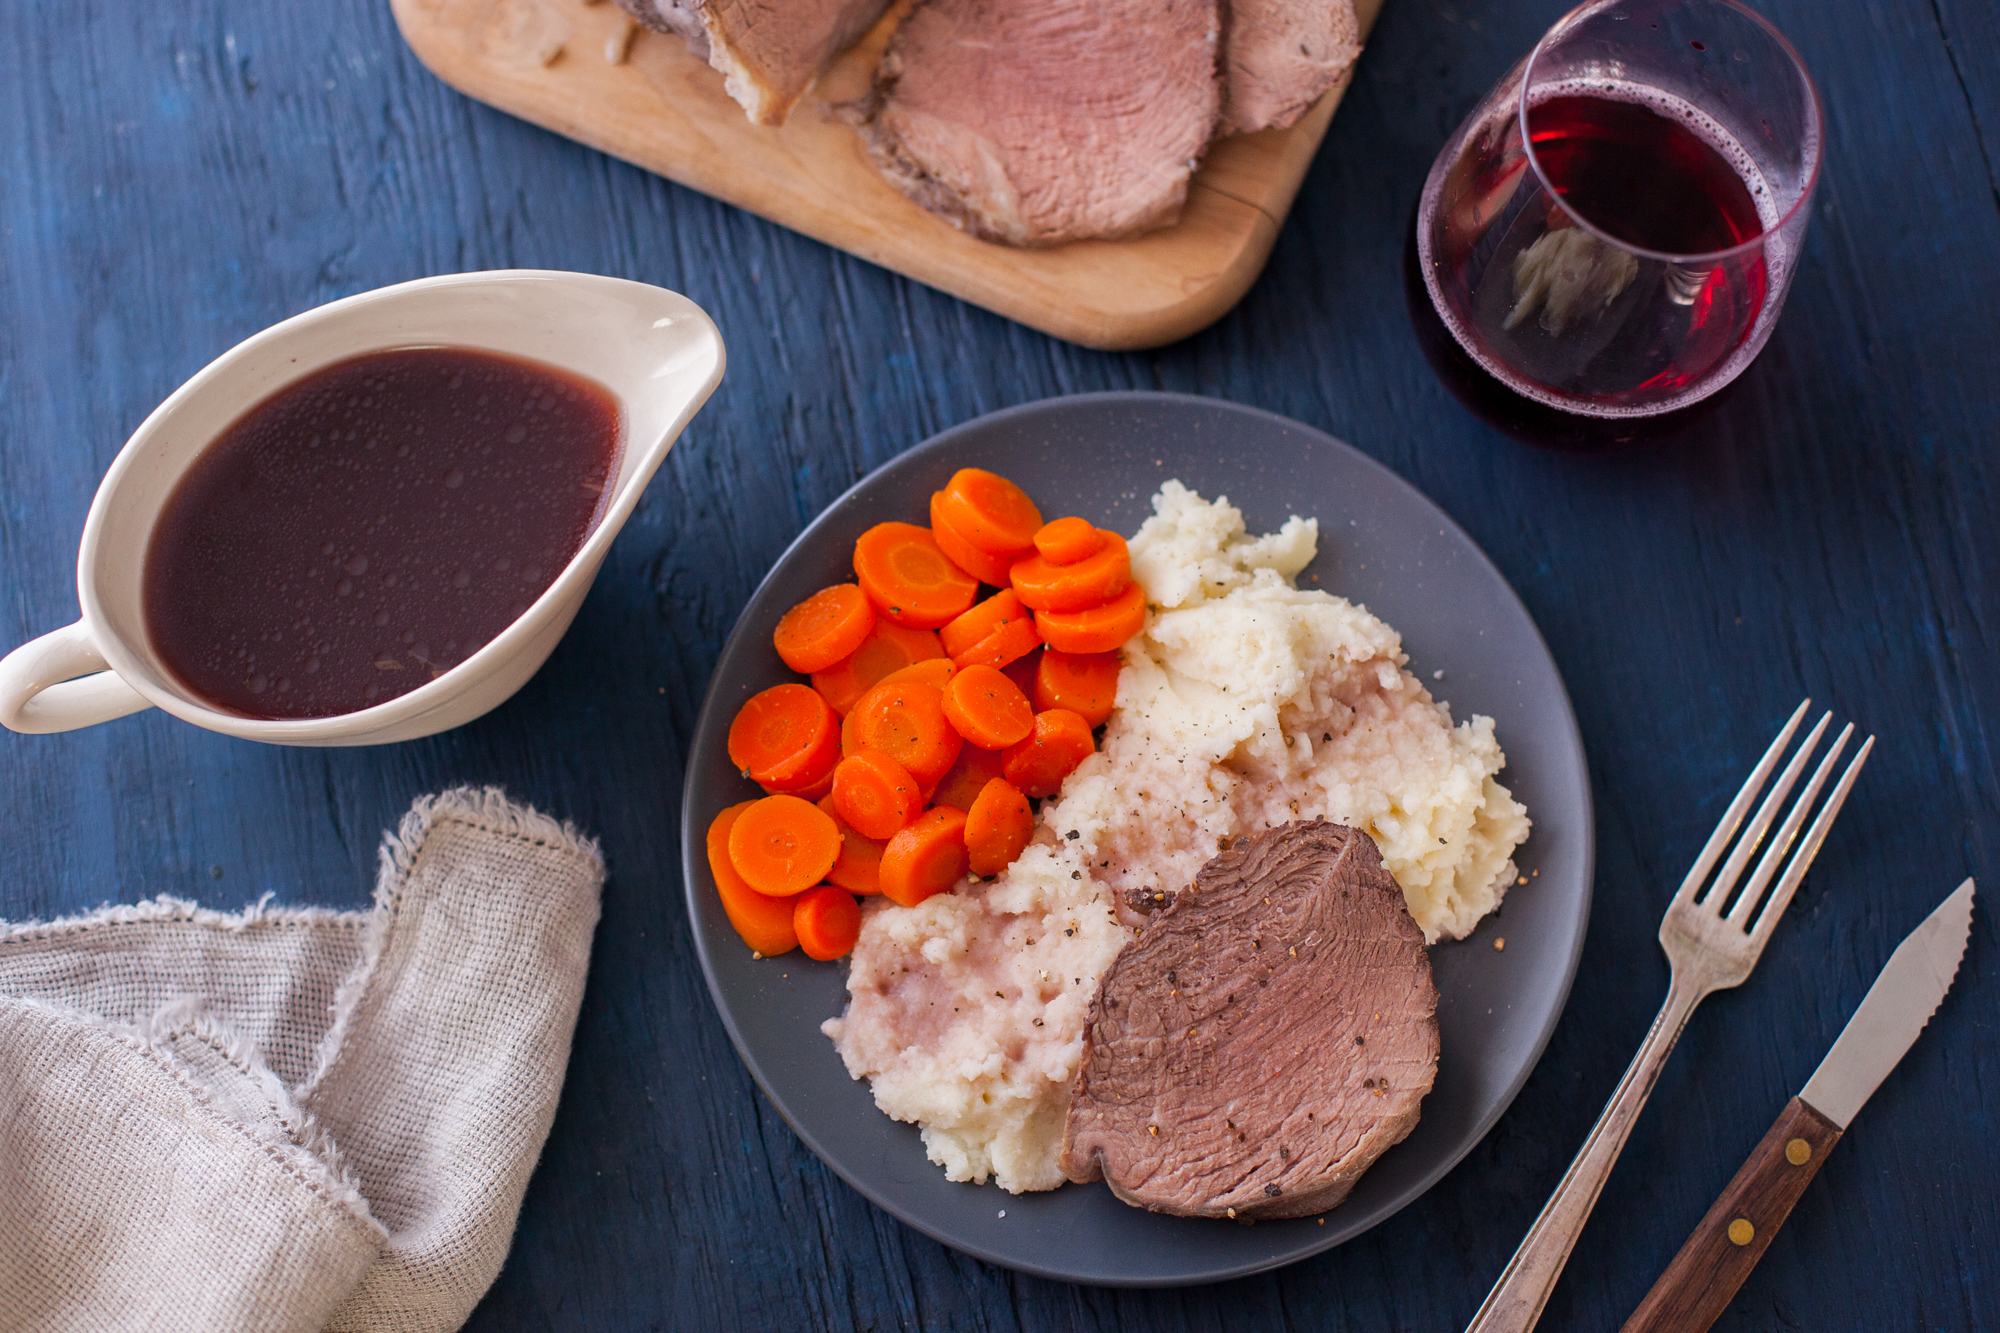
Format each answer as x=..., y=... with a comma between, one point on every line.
x=370, y=526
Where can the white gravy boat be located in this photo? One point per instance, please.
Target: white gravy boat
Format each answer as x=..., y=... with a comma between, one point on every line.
x=655, y=350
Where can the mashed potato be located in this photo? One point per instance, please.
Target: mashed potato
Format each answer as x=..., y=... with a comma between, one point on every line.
x=1243, y=704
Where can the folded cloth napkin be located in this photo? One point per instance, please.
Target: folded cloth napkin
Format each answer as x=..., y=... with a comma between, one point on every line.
x=291, y=1118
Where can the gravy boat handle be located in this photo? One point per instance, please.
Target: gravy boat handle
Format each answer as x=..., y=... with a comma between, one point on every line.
x=60, y=682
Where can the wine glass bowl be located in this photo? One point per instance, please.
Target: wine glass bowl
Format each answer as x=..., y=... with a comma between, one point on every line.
x=1612, y=231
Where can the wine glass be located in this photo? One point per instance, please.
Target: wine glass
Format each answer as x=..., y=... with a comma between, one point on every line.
x=1611, y=232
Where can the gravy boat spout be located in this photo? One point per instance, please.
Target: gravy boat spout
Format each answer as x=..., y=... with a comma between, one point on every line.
x=657, y=353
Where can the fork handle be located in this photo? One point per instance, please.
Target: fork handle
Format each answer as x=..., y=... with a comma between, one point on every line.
x=1516, y=1301
x=1704, y=1277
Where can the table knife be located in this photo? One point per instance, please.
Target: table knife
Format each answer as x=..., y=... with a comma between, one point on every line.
x=1699, y=1284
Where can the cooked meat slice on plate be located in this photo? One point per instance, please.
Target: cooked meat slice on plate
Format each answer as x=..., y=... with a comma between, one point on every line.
x=1264, y=1039
x=1040, y=123
x=768, y=51
x=1280, y=55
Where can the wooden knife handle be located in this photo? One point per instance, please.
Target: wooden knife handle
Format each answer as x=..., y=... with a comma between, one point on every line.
x=1705, y=1276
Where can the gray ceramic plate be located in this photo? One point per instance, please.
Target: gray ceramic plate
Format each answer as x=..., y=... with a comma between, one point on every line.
x=1381, y=543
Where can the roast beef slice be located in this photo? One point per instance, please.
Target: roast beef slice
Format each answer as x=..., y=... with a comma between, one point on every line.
x=768, y=51
x=1280, y=55
x=1263, y=1039
x=1046, y=122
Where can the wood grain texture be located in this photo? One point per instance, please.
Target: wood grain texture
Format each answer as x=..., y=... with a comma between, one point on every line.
x=177, y=175
x=662, y=109
x=1732, y=1236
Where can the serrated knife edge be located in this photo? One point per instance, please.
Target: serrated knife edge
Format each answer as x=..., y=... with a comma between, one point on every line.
x=1895, y=1011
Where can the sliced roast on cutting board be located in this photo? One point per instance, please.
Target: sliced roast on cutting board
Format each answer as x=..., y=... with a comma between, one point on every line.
x=1036, y=124
x=768, y=51
x=1280, y=55
x=1263, y=1039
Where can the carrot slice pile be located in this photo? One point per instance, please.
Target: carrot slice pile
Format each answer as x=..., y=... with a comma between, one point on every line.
x=1098, y=629
x=824, y=628
x=989, y=512
x=986, y=708
x=874, y=793
x=1091, y=581
x=827, y=923
x=1084, y=683
x=859, y=866
x=932, y=718
x=997, y=828
x=782, y=845
x=968, y=777
x=1064, y=541
x=985, y=567
x=782, y=738
x=1037, y=766
x=764, y=922
x=889, y=647
x=927, y=857
x=904, y=720
x=908, y=578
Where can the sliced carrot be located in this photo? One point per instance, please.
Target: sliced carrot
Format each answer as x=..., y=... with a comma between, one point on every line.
x=1022, y=670
x=1064, y=541
x=968, y=777
x=824, y=628
x=908, y=578
x=904, y=720
x=1098, y=629
x=827, y=921
x=1037, y=765
x=780, y=736
x=889, y=647
x=764, y=922
x=1084, y=683
x=935, y=672
x=874, y=793
x=991, y=512
x=858, y=868
x=927, y=857
x=783, y=845
x=987, y=709
x=997, y=827
x=1091, y=581
x=812, y=782
x=1010, y=643
x=986, y=568
x=981, y=620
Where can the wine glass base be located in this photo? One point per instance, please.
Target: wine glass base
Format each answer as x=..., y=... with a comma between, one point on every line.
x=1523, y=418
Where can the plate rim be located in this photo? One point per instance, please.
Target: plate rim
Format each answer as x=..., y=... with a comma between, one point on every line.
x=1571, y=739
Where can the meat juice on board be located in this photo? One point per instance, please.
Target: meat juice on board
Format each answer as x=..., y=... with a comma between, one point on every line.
x=373, y=524
x=1569, y=338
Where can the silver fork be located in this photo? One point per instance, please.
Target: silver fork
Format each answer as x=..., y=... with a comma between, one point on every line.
x=1712, y=944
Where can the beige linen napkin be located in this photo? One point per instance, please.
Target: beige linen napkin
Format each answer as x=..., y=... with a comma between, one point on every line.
x=292, y=1118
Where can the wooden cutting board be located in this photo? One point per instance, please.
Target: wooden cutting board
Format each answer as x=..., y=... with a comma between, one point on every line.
x=582, y=70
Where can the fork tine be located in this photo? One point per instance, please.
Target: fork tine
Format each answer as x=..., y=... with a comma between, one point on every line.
x=1733, y=816
x=1718, y=893
x=1781, y=842
x=1808, y=849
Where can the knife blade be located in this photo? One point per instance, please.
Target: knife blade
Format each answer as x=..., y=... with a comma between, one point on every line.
x=1705, y=1276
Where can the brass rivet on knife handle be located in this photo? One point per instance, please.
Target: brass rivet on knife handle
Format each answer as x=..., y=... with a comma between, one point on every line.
x=1704, y=1277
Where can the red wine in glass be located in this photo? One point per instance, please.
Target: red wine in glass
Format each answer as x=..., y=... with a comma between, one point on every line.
x=1601, y=247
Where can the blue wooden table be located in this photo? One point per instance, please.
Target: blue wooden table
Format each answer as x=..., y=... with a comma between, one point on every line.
x=176, y=175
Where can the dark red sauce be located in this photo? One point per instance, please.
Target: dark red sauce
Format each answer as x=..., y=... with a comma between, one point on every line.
x=370, y=526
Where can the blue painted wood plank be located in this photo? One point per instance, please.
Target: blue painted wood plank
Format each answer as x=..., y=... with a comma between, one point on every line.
x=175, y=176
